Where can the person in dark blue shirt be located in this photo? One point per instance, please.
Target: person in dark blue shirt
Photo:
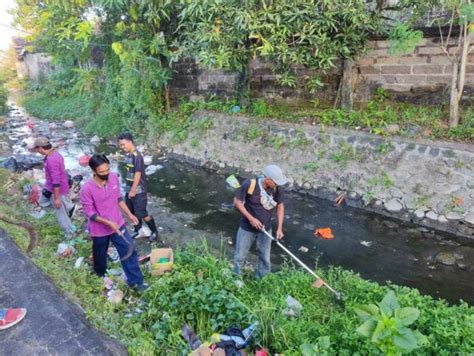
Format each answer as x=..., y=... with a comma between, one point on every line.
x=136, y=188
x=256, y=199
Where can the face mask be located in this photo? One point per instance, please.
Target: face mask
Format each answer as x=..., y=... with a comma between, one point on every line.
x=104, y=177
x=265, y=199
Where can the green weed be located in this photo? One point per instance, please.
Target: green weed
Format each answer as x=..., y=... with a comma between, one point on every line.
x=254, y=132
x=277, y=141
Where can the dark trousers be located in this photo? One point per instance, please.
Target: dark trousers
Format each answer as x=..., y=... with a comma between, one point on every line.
x=130, y=265
x=137, y=205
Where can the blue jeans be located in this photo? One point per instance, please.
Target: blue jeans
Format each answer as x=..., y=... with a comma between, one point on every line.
x=245, y=240
x=130, y=266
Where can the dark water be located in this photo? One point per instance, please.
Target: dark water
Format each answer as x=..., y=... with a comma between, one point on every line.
x=397, y=252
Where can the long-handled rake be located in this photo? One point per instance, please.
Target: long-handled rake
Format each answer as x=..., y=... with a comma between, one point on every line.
x=336, y=293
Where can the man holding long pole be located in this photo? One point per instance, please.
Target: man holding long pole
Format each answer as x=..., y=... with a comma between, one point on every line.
x=256, y=199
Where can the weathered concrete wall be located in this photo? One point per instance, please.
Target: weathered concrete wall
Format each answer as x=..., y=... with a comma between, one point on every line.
x=423, y=76
x=38, y=65
x=431, y=183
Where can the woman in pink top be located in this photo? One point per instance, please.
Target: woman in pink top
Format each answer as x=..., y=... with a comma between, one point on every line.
x=101, y=200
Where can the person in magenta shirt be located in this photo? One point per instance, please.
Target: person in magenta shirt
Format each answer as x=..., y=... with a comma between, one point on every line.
x=101, y=201
x=56, y=188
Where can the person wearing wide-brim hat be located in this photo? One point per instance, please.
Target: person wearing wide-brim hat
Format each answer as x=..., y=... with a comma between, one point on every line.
x=256, y=199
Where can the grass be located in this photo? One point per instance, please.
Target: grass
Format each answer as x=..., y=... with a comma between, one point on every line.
x=375, y=117
x=202, y=292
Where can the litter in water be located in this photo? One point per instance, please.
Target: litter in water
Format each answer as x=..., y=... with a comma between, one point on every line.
x=153, y=169
x=147, y=160
x=325, y=233
x=366, y=243
x=303, y=249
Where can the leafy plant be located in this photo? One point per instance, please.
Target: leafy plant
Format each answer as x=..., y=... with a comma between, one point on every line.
x=260, y=108
x=277, y=141
x=300, y=139
x=386, y=325
x=312, y=166
x=403, y=39
x=254, y=132
x=346, y=154
x=314, y=84
x=368, y=197
x=321, y=348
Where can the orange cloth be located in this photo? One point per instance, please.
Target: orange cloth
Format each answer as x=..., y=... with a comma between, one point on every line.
x=325, y=233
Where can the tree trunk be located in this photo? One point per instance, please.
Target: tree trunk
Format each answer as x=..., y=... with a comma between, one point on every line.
x=346, y=93
x=454, y=100
x=242, y=85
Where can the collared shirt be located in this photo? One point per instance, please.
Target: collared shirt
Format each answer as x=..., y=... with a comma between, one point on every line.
x=102, y=201
x=55, y=173
x=133, y=164
x=254, y=207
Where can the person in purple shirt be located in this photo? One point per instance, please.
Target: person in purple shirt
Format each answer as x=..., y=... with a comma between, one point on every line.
x=101, y=201
x=56, y=188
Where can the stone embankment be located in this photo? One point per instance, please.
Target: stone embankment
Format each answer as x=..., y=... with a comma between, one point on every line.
x=429, y=183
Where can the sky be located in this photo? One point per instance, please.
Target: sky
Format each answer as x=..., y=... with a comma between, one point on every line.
x=6, y=33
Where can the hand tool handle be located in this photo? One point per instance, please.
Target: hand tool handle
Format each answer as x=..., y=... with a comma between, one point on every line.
x=300, y=262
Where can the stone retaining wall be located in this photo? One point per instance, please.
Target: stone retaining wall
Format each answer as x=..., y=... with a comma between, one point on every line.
x=430, y=183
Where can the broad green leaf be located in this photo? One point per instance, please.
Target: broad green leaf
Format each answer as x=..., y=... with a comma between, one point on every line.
x=364, y=312
x=308, y=350
x=133, y=13
x=324, y=342
x=380, y=333
x=421, y=339
x=367, y=328
x=117, y=47
x=389, y=304
x=405, y=341
x=407, y=315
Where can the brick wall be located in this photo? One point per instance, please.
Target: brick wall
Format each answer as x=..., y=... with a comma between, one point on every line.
x=423, y=76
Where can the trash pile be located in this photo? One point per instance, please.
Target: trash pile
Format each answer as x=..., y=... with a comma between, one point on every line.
x=231, y=342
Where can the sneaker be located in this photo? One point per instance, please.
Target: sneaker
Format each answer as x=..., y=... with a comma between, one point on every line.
x=72, y=211
x=135, y=235
x=152, y=238
x=141, y=287
x=10, y=317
